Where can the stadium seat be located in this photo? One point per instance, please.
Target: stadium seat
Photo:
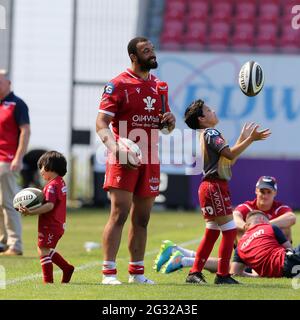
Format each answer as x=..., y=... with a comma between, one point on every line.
x=270, y=28
x=173, y=25
x=269, y=12
x=287, y=6
x=197, y=10
x=196, y=26
x=289, y=41
x=273, y=2
x=179, y=15
x=171, y=40
x=198, y=5
x=245, y=11
x=244, y=27
x=286, y=19
x=218, y=41
x=266, y=42
x=194, y=40
x=175, y=9
x=220, y=26
x=242, y=41
x=170, y=45
x=222, y=10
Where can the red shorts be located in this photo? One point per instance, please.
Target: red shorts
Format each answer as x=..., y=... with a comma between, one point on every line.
x=48, y=238
x=214, y=198
x=143, y=182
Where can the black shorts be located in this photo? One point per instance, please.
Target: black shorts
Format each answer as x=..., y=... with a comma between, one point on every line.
x=292, y=259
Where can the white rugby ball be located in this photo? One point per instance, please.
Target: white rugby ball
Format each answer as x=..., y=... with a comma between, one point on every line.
x=127, y=144
x=30, y=198
x=251, y=78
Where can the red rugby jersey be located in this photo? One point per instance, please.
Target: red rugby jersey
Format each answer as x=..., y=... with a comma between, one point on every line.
x=56, y=192
x=13, y=114
x=259, y=249
x=276, y=210
x=134, y=104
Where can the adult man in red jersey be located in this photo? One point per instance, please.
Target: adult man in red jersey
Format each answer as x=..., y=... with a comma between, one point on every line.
x=278, y=213
x=132, y=106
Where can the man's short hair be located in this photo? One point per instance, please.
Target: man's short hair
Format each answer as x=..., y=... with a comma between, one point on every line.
x=131, y=48
x=193, y=111
x=255, y=213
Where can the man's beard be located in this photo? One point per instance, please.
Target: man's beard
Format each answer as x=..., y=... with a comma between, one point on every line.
x=147, y=65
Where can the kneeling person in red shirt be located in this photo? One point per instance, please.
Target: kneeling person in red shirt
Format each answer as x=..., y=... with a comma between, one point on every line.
x=52, y=215
x=265, y=249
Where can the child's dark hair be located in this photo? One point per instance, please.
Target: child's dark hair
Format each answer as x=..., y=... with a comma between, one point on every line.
x=53, y=161
x=193, y=111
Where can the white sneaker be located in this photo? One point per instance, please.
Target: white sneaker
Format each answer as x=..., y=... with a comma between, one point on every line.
x=139, y=278
x=111, y=280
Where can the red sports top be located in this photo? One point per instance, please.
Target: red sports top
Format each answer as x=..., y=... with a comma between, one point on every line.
x=56, y=192
x=276, y=210
x=134, y=104
x=13, y=114
x=259, y=249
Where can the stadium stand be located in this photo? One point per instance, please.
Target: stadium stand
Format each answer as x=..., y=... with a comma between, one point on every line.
x=223, y=25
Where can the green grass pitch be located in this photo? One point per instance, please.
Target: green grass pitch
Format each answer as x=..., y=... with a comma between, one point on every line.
x=24, y=281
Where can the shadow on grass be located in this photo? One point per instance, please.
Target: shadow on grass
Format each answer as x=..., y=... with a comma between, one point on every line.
x=234, y=287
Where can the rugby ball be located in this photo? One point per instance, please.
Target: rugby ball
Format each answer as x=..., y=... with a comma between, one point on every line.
x=30, y=198
x=126, y=145
x=251, y=78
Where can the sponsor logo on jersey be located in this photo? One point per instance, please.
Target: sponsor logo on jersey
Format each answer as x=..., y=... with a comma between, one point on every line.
x=149, y=103
x=253, y=236
x=212, y=132
x=154, y=180
x=64, y=189
x=138, y=90
x=219, y=141
x=145, y=118
x=109, y=88
x=51, y=189
x=154, y=188
x=50, y=238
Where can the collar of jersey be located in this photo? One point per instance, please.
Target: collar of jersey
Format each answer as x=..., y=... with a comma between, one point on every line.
x=134, y=75
x=9, y=97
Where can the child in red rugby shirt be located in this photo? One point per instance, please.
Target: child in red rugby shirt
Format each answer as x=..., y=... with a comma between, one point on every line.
x=52, y=215
x=214, y=195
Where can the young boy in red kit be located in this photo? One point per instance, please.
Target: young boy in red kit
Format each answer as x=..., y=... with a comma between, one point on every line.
x=213, y=192
x=52, y=215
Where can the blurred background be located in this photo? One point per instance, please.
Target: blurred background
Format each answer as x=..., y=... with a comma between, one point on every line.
x=61, y=53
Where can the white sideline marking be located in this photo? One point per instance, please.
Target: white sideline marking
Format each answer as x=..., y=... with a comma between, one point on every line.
x=85, y=266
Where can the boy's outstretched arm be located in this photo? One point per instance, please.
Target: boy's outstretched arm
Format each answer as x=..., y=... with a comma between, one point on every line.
x=255, y=135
